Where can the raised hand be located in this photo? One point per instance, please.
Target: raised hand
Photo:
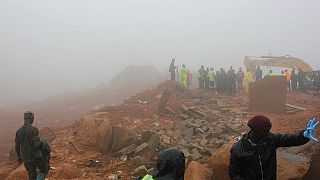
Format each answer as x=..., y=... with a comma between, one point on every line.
x=310, y=128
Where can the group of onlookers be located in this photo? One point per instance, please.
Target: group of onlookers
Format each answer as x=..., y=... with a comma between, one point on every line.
x=230, y=81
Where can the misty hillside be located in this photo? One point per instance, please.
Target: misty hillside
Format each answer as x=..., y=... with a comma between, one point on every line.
x=65, y=108
x=61, y=110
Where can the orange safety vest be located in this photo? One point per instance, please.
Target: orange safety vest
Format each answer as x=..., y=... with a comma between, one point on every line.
x=288, y=75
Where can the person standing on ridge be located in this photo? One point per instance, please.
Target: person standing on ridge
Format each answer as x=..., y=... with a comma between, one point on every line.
x=211, y=78
x=172, y=69
x=201, y=76
x=184, y=76
x=288, y=76
x=249, y=79
x=240, y=76
x=258, y=73
x=294, y=80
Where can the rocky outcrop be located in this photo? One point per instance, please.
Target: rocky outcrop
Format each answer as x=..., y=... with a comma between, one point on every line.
x=197, y=171
x=95, y=132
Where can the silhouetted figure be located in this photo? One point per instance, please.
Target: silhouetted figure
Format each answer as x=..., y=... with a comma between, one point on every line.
x=172, y=70
x=240, y=76
x=201, y=74
x=258, y=74
x=302, y=80
x=294, y=80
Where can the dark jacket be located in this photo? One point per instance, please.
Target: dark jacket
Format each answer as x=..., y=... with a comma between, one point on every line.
x=24, y=146
x=250, y=161
x=171, y=67
x=258, y=74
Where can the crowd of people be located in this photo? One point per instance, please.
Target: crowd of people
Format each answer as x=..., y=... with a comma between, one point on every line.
x=233, y=81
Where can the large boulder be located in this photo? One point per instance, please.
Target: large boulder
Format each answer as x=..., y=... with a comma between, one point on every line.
x=19, y=173
x=121, y=138
x=197, y=171
x=313, y=172
x=95, y=132
x=219, y=162
x=287, y=170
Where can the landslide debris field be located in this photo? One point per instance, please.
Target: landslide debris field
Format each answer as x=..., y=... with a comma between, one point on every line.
x=124, y=141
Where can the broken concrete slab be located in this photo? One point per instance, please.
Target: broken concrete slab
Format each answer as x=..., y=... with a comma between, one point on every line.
x=166, y=139
x=141, y=147
x=195, y=154
x=155, y=117
x=170, y=126
x=203, y=142
x=140, y=171
x=196, y=146
x=199, y=130
x=186, y=152
x=154, y=141
x=187, y=133
x=145, y=135
x=137, y=161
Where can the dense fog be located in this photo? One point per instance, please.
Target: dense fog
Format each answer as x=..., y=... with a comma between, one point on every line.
x=50, y=47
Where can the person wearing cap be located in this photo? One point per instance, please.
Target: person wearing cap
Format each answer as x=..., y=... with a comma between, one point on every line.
x=169, y=166
x=254, y=156
x=27, y=145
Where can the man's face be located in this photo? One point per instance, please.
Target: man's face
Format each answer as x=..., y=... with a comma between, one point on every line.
x=259, y=135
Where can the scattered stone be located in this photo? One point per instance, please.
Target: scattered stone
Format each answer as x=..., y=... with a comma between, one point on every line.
x=176, y=135
x=205, y=128
x=185, y=152
x=121, y=138
x=199, y=130
x=184, y=109
x=203, y=142
x=155, y=116
x=166, y=139
x=154, y=141
x=196, y=146
x=140, y=171
x=141, y=147
x=145, y=135
x=225, y=110
x=137, y=161
x=187, y=132
x=170, y=126
x=195, y=154
x=151, y=171
x=170, y=133
x=193, y=125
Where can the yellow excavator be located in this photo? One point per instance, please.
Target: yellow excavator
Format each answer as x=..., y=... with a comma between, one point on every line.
x=251, y=62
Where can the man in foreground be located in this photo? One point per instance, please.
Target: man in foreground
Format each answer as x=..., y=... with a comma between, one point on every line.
x=254, y=156
x=33, y=151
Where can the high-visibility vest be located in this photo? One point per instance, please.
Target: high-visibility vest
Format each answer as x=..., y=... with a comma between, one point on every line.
x=147, y=177
x=288, y=75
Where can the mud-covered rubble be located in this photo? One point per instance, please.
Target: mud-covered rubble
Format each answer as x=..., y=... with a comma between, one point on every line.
x=197, y=122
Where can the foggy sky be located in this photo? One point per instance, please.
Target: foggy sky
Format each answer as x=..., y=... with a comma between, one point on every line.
x=53, y=46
